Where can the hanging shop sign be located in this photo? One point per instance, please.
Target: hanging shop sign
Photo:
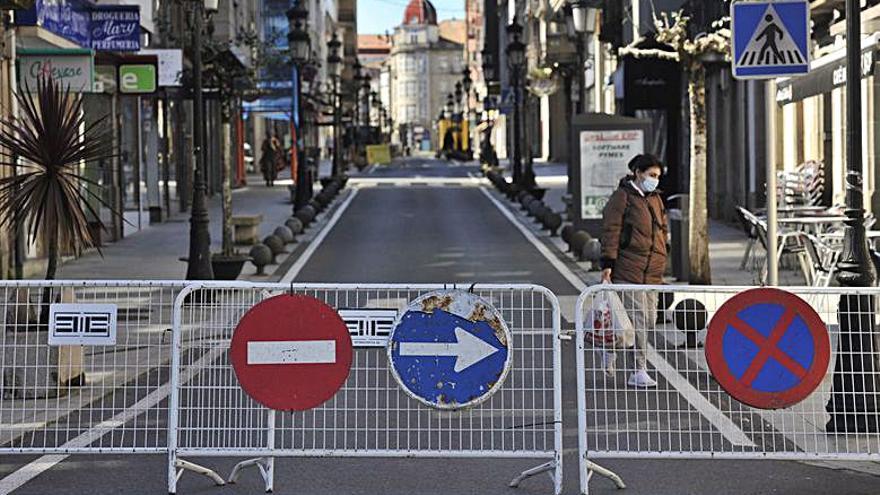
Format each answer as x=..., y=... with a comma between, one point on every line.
x=137, y=78
x=170, y=65
x=72, y=68
x=823, y=79
x=100, y=27
x=116, y=28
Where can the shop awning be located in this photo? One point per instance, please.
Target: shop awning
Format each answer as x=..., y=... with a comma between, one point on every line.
x=830, y=74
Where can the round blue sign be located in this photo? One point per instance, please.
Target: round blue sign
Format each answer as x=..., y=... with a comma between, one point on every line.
x=450, y=350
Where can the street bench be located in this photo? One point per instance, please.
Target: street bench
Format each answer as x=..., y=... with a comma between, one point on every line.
x=246, y=228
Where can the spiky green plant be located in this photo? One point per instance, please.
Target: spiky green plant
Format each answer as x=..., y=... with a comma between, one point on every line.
x=47, y=192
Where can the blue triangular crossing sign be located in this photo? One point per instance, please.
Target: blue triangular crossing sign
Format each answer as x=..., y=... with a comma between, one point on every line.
x=770, y=39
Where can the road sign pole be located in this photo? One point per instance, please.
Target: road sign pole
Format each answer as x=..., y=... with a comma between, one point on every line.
x=853, y=404
x=772, y=238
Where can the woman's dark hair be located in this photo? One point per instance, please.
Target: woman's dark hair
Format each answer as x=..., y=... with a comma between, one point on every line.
x=641, y=163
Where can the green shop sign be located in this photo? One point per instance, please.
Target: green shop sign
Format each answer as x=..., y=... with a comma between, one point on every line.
x=137, y=78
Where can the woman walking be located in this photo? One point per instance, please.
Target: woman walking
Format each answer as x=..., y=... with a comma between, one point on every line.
x=634, y=233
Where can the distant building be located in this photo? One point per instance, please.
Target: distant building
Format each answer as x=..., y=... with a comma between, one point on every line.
x=426, y=60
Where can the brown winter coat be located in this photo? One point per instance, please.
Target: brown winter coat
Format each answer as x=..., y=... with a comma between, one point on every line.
x=634, y=231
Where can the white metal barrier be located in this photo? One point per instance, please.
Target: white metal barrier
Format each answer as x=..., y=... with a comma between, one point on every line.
x=687, y=414
x=72, y=398
x=369, y=416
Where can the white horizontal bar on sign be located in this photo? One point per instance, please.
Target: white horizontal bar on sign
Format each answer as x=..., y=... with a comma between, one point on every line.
x=292, y=352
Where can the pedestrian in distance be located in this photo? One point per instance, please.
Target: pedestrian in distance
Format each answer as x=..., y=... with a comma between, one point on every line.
x=267, y=161
x=634, y=233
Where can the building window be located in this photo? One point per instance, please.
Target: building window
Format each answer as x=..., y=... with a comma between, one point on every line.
x=442, y=64
x=410, y=89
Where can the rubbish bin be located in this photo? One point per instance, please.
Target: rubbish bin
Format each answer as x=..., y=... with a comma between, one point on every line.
x=678, y=228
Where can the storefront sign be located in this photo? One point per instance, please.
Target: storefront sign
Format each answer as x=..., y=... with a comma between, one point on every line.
x=72, y=68
x=101, y=27
x=823, y=79
x=67, y=18
x=170, y=65
x=604, y=158
x=137, y=78
x=116, y=28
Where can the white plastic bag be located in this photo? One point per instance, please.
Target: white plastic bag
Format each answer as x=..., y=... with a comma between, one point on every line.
x=607, y=325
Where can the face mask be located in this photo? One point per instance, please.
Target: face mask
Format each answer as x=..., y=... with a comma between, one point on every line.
x=649, y=184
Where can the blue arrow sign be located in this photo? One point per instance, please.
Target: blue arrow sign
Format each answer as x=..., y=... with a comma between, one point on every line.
x=770, y=39
x=447, y=361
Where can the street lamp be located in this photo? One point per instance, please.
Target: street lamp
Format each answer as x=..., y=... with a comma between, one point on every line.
x=358, y=79
x=365, y=86
x=299, y=42
x=516, y=50
x=488, y=66
x=853, y=401
x=466, y=84
x=199, y=261
x=334, y=65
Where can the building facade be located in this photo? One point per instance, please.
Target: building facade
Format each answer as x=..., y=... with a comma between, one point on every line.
x=425, y=63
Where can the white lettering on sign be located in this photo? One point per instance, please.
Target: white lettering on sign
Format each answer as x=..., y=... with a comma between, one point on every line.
x=467, y=349
x=292, y=352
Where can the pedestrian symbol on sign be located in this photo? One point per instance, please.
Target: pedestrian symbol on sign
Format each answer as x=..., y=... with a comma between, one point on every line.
x=770, y=38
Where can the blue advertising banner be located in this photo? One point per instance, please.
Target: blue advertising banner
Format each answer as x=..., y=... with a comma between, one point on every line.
x=116, y=28
x=99, y=27
x=68, y=18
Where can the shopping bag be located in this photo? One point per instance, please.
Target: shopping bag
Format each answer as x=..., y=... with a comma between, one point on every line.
x=608, y=325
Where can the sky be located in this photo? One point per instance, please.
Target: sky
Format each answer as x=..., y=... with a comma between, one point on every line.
x=378, y=16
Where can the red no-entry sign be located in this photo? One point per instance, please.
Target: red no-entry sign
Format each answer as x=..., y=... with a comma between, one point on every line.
x=291, y=352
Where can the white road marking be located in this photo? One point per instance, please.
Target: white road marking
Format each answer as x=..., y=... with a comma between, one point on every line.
x=563, y=270
x=18, y=478
x=725, y=425
x=467, y=349
x=313, y=246
x=292, y=352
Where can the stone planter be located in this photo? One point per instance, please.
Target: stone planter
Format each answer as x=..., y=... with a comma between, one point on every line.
x=228, y=267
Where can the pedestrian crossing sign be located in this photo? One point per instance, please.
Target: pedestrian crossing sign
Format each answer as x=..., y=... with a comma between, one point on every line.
x=770, y=39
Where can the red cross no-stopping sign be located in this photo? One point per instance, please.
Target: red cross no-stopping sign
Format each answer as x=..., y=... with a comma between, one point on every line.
x=768, y=348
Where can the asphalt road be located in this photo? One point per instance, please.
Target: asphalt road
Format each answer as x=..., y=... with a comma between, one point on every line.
x=400, y=233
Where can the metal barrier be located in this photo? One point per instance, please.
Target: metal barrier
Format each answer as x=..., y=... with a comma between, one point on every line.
x=369, y=416
x=69, y=398
x=687, y=414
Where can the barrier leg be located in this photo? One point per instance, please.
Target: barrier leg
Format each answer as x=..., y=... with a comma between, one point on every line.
x=182, y=466
x=593, y=468
x=266, y=465
x=547, y=467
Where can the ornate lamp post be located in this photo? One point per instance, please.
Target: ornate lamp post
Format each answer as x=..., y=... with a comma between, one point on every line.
x=199, y=260
x=334, y=65
x=358, y=79
x=853, y=401
x=365, y=87
x=466, y=84
x=299, y=43
x=516, y=50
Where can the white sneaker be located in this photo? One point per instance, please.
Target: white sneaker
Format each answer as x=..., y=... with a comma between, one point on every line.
x=609, y=358
x=641, y=379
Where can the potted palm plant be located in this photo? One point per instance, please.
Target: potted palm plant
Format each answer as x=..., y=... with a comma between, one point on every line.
x=44, y=195
x=51, y=140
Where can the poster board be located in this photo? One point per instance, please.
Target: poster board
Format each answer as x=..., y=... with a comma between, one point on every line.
x=602, y=145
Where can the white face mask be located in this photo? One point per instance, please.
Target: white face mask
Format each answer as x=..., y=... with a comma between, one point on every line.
x=649, y=184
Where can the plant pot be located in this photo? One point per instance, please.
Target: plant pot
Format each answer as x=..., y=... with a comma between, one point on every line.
x=228, y=267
